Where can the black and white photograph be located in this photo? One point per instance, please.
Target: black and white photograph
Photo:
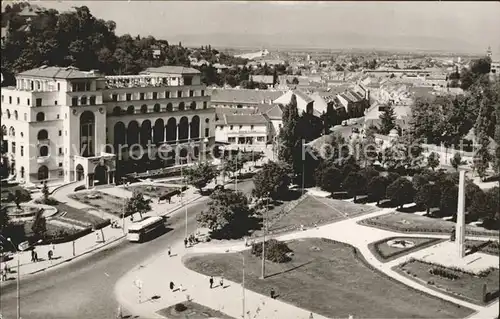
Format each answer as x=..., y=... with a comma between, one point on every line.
x=249, y=159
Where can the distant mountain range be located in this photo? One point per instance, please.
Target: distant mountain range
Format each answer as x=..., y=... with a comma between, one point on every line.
x=334, y=41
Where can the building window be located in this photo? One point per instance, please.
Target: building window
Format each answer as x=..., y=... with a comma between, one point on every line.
x=144, y=108
x=188, y=80
x=38, y=102
x=21, y=150
x=92, y=100
x=25, y=116
x=191, y=93
x=40, y=117
x=207, y=131
x=130, y=109
x=141, y=96
x=170, y=107
x=193, y=105
x=58, y=116
x=16, y=115
x=18, y=100
x=129, y=96
x=60, y=149
x=83, y=100
x=59, y=86
x=28, y=102
x=167, y=94
x=179, y=94
x=60, y=132
x=2, y=98
x=44, y=150
x=231, y=127
x=42, y=135
x=231, y=139
x=8, y=114
x=74, y=101
x=251, y=127
x=13, y=147
x=60, y=164
x=55, y=102
x=155, y=95
x=117, y=110
x=157, y=107
x=181, y=106
x=202, y=92
x=114, y=97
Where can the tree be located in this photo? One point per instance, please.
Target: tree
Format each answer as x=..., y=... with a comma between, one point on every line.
x=428, y=196
x=200, y=175
x=137, y=204
x=433, y=160
x=272, y=180
x=354, y=184
x=420, y=180
x=328, y=177
x=227, y=215
x=401, y=191
x=388, y=120
x=377, y=188
x=288, y=134
x=449, y=200
x=39, y=226
x=456, y=161
x=233, y=164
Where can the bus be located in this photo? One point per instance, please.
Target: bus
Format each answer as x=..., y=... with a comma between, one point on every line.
x=145, y=228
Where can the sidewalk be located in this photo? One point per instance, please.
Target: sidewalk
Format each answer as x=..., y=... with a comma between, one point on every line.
x=65, y=252
x=155, y=280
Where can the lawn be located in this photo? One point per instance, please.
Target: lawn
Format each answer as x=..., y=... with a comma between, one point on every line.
x=313, y=211
x=193, y=311
x=328, y=278
x=52, y=230
x=467, y=286
x=404, y=222
x=77, y=214
x=106, y=202
x=384, y=252
x=150, y=190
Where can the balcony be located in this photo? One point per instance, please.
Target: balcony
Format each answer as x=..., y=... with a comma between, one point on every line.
x=42, y=159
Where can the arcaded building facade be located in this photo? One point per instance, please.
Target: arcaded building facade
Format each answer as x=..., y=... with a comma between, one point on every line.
x=67, y=124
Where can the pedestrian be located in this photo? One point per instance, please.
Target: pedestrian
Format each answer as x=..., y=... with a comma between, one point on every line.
x=49, y=254
x=211, y=282
x=221, y=282
x=172, y=286
x=6, y=268
x=97, y=237
x=273, y=293
x=185, y=242
x=246, y=241
x=36, y=257
x=33, y=256
x=168, y=252
x=4, y=275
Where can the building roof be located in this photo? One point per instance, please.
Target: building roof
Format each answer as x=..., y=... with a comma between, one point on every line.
x=302, y=95
x=271, y=111
x=244, y=96
x=245, y=119
x=59, y=73
x=267, y=79
x=172, y=69
x=230, y=110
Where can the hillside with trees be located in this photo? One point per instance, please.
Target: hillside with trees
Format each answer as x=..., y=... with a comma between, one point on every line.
x=78, y=38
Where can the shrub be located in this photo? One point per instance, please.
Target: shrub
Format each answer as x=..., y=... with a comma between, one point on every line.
x=80, y=188
x=180, y=307
x=442, y=272
x=276, y=251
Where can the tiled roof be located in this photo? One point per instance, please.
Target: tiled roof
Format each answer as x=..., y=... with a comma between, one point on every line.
x=230, y=110
x=302, y=95
x=58, y=73
x=245, y=119
x=271, y=111
x=244, y=96
x=172, y=69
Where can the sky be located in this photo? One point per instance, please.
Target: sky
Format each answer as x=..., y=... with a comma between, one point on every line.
x=450, y=26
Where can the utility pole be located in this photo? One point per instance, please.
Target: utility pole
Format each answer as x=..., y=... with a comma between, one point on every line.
x=236, y=179
x=182, y=203
x=303, y=177
x=243, y=285
x=18, y=295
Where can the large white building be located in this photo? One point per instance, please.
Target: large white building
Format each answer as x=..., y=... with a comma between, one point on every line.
x=66, y=124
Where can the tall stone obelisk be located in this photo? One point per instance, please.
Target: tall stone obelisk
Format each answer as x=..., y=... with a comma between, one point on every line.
x=460, y=227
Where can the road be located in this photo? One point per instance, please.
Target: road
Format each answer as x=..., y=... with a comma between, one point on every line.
x=84, y=288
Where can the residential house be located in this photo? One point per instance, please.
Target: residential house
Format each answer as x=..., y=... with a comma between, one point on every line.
x=273, y=113
x=266, y=79
x=304, y=102
x=401, y=112
x=241, y=129
x=242, y=98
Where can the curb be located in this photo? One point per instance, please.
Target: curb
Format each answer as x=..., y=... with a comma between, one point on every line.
x=77, y=256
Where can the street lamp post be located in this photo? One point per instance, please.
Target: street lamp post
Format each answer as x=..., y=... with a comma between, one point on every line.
x=263, y=275
x=18, y=279
x=243, y=285
x=182, y=202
